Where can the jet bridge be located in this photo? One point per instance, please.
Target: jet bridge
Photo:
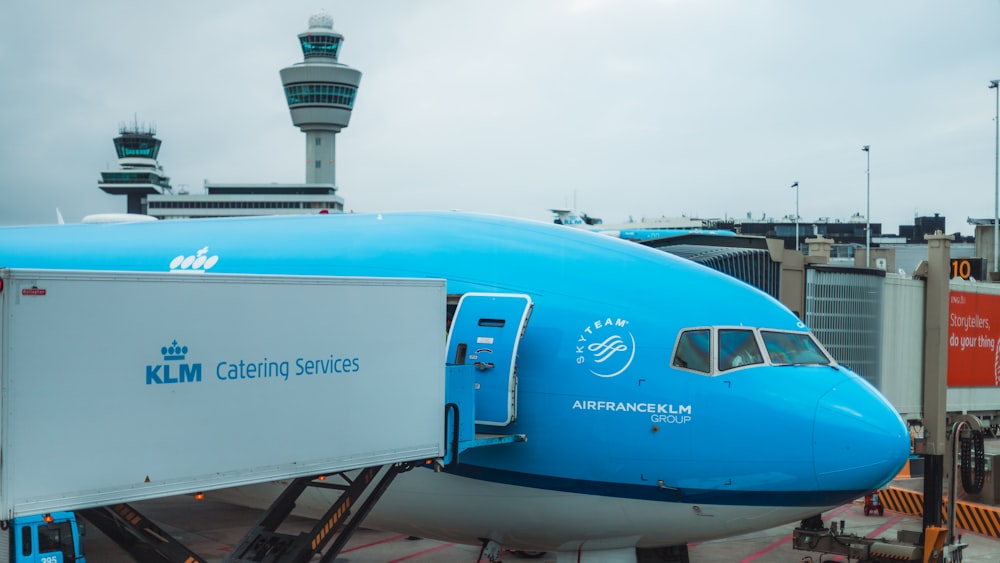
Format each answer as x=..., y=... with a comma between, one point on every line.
x=124, y=386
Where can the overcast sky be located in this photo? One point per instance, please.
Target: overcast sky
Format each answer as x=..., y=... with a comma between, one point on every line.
x=629, y=108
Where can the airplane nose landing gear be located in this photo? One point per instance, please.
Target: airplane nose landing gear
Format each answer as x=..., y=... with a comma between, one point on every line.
x=490, y=550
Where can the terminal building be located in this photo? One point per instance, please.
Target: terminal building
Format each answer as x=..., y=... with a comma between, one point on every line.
x=320, y=92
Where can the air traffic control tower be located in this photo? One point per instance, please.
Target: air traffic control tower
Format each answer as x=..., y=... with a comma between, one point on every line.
x=320, y=92
x=139, y=175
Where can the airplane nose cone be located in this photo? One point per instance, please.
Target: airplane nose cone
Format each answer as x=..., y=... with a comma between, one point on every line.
x=860, y=443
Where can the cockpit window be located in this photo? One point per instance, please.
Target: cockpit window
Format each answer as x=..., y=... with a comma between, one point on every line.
x=694, y=350
x=792, y=348
x=738, y=348
x=715, y=350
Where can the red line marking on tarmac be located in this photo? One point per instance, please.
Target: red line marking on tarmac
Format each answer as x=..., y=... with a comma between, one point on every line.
x=788, y=538
x=424, y=552
x=876, y=532
x=885, y=526
x=374, y=543
x=771, y=547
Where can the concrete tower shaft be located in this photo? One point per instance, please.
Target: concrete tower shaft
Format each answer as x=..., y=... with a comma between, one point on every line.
x=320, y=92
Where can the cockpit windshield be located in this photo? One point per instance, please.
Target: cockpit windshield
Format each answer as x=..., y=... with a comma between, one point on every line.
x=792, y=348
x=738, y=348
x=694, y=350
x=714, y=350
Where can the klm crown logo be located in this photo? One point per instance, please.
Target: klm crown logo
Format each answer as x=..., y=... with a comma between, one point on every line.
x=186, y=373
x=174, y=352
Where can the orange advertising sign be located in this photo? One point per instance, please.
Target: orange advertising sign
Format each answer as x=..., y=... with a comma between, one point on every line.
x=973, y=328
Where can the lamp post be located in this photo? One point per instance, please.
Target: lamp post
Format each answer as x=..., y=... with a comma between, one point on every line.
x=995, y=84
x=796, y=186
x=868, y=208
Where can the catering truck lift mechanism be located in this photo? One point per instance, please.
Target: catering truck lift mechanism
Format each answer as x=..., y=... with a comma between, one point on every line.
x=181, y=383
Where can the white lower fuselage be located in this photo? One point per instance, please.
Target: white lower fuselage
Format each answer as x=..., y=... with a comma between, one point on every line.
x=458, y=509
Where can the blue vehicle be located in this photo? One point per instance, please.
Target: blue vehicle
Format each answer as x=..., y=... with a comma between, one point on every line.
x=663, y=402
x=50, y=538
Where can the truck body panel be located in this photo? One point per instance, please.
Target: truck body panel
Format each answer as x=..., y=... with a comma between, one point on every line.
x=124, y=386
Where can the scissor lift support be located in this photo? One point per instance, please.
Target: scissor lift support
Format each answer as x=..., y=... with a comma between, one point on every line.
x=360, y=491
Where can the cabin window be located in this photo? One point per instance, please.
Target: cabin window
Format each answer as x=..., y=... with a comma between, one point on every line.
x=56, y=538
x=49, y=539
x=738, y=348
x=26, y=540
x=787, y=348
x=694, y=350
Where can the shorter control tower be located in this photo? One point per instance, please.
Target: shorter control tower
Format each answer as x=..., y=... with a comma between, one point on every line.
x=139, y=175
x=320, y=92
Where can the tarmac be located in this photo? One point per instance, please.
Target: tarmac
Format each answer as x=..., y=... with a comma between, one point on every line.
x=212, y=528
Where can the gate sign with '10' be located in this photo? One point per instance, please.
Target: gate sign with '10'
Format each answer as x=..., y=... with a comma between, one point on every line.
x=968, y=268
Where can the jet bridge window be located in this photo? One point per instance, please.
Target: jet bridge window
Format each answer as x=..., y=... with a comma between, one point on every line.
x=738, y=348
x=694, y=350
x=787, y=348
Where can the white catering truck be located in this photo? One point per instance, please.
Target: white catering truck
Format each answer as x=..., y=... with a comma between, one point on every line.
x=122, y=386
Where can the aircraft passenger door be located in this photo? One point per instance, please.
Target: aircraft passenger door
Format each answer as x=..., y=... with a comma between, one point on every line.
x=486, y=331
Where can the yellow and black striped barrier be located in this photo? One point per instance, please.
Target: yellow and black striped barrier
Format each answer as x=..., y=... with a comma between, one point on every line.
x=903, y=501
x=978, y=518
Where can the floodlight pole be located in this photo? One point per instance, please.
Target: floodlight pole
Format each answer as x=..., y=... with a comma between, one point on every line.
x=868, y=210
x=995, y=85
x=796, y=186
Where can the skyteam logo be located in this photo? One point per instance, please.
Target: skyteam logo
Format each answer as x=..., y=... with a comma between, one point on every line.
x=170, y=372
x=606, y=347
x=198, y=262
